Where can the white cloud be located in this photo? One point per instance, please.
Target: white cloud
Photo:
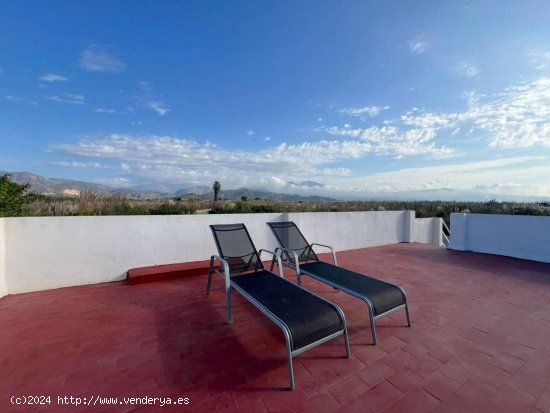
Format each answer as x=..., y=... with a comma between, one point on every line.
x=73, y=98
x=526, y=174
x=97, y=59
x=144, y=86
x=159, y=107
x=19, y=99
x=267, y=139
x=150, y=101
x=518, y=117
x=250, y=132
x=471, y=97
x=418, y=46
x=75, y=164
x=429, y=120
x=102, y=110
x=364, y=112
x=52, y=77
x=171, y=159
x=116, y=182
x=465, y=69
x=336, y=171
x=176, y=159
x=389, y=140
x=540, y=60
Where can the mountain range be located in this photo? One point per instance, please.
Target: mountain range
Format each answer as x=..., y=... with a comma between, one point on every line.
x=59, y=187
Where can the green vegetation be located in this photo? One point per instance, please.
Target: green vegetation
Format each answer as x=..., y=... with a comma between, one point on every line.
x=424, y=209
x=89, y=203
x=216, y=187
x=13, y=197
x=15, y=201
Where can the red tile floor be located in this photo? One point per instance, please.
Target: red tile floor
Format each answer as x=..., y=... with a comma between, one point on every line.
x=480, y=342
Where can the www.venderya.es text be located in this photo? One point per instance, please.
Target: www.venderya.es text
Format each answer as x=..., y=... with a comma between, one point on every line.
x=95, y=400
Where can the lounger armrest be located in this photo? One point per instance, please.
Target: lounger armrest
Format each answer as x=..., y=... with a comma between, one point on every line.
x=225, y=267
x=275, y=255
x=331, y=250
x=294, y=256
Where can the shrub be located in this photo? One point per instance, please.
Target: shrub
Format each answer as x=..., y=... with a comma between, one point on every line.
x=13, y=197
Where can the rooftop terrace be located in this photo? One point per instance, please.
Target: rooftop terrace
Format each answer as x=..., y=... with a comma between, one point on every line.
x=480, y=341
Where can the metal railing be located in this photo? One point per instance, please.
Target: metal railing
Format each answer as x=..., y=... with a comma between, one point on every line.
x=445, y=234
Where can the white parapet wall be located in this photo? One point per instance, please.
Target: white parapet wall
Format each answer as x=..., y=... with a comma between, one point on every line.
x=351, y=230
x=519, y=236
x=428, y=231
x=3, y=288
x=41, y=253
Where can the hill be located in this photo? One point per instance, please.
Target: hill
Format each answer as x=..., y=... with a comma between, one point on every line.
x=59, y=187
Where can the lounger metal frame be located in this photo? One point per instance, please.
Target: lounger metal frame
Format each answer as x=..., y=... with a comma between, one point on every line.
x=296, y=267
x=291, y=352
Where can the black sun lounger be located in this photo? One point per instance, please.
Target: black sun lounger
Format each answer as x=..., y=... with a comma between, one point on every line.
x=306, y=319
x=382, y=297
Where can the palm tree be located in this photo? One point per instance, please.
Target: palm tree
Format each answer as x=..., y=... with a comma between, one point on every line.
x=216, y=187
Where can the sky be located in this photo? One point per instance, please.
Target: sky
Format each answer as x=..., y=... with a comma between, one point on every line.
x=351, y=99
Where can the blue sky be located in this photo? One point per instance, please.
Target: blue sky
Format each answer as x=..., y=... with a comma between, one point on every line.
x=364, y=98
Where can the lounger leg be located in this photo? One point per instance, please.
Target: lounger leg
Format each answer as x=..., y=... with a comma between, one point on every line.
x=272, y=264
x=407, y=312
x=299, y=278
x=228, y=301
x=346, y=343
x=290, y=368
x=372, y=326
x=373, y=330
x=210, y=271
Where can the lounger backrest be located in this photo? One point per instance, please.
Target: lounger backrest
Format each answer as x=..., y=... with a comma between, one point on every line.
x=290, y=237
x=236, y=247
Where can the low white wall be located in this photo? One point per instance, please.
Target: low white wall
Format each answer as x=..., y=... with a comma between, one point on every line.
x=428, y=231
x=519, y=236
x=51, y=252
x=351, y=230
x=3, y=288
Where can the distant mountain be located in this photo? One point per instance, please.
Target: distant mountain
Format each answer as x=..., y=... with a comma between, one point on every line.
x=306, y=184
x=57, y=186
x=448, y=194
x=193, y=190
x=237, y=194
x=155, y=187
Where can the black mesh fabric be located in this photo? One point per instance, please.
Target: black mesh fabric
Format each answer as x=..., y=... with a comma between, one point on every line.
x=384, y=296
x=289, y=236
x=236, y=247
x=307, y=316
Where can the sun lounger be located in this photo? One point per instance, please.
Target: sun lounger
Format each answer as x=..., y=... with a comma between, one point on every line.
x=381, y=297
x=306, y=319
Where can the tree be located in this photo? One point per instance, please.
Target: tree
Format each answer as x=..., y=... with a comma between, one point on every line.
x=216, y=186
x=12, y=197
